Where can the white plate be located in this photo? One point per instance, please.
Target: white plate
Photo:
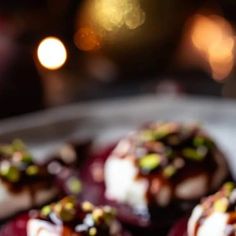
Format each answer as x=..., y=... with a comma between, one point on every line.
x=107, y=121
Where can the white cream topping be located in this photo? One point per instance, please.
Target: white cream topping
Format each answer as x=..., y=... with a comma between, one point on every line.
x=36, y=227
x=215, y=224
x=122, y=185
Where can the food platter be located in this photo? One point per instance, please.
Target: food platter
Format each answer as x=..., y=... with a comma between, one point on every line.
x=106, y=122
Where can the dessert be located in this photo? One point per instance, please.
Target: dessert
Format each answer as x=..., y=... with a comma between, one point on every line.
x=24, y=183
x=163, y=168
x=67, y=217
x=215, y=215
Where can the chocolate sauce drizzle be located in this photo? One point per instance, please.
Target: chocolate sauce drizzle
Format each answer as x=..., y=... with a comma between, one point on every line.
x=166, y=153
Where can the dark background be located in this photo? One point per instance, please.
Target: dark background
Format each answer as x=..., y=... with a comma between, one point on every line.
x=157, y=56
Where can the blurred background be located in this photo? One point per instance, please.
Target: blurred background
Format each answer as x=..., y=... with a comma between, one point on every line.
x=54, y=53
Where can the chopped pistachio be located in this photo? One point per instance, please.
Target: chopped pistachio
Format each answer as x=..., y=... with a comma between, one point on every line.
x=46, y=210
x=192, y=154
x=198, y=141
x=69, y=205
x=65, y=209
x=87, y=206
x=18, y=145
x=97, y=214
x=109, y=213
x=160, y=134
x=221, y=205
x=147, y=135
x=65, y=214
x=203, y=141
x=74, y=185
x=32, y=170
x=92, y=231
x=6, y=150
x=9, y=149
x=150, y=161
x=228, y=187
x=169, y=171
x=10, y=172
x=109, y=210
x=165, y=129
x=27, y=158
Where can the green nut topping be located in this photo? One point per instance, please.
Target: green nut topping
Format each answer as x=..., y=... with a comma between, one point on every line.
x=9, y=172
x=228, y=187
x=164, y=130
x=198, y=141
x=169, y=171
x=221, y=205
x=109, y=214
x=97, y=215
x=147, y=136
x=18, y=151
x=32, y=170
x=15, y=146
x=92, y=231
x=27, y=158
x=203, y=141
x=193, y=154
x=74, y=185
x=150, y=162
x=46, y=210
x=161, y=134
x=87, y=206
x=65, y=209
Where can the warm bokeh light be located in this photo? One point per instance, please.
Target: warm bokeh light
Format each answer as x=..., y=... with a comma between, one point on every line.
x=213, y=37
x=86, y=39
x=113, y=14
x=52, y=53
x=221, y=59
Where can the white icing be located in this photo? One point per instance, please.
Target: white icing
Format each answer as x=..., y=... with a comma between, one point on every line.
x=121, y=183
x=36, y=227
x=215, y=224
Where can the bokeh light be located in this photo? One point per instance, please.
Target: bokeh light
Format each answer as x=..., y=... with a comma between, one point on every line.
x=113, y=14
x=213, y=36
x=52, y=53
x=86, y=39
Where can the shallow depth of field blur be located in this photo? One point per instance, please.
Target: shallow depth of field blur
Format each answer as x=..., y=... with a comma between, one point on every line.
x=59, y=52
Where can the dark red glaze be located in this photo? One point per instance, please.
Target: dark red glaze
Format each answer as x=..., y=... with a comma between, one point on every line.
x=17, y=226
x=93, y=191
x=180, y=228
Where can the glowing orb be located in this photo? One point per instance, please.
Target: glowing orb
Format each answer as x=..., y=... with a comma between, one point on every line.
x=52, y=53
